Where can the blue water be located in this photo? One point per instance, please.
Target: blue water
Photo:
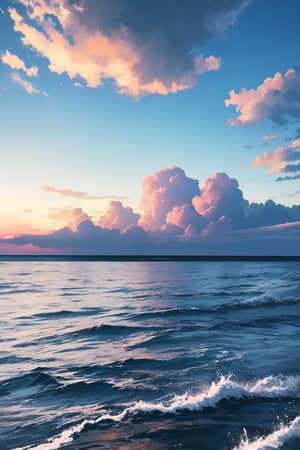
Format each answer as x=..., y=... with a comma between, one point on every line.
x=149, y=355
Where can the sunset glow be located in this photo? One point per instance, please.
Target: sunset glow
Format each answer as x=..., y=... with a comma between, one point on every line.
x=128, y=131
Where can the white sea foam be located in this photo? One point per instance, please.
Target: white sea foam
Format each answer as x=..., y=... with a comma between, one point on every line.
x=274, y=440
x=226, y=387
x=288, y=296
x=57, y=441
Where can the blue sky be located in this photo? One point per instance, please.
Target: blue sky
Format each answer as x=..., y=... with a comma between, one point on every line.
x=94, y=98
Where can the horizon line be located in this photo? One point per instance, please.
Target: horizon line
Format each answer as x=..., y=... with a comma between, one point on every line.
x=146, y=257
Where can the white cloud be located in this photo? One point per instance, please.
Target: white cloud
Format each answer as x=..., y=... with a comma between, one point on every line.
x=26, y=85
x=15, y=62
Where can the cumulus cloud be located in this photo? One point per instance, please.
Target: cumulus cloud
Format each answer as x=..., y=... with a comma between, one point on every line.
x=14, y=62
x=221, y=202
x=163, y=191
x=71, y=217
x=186, y=218
x=268, y=213
x=75, y=194
x=276, y=99
x=177, y=218
x=118, y=216
x=26, y=85
x=148, y=49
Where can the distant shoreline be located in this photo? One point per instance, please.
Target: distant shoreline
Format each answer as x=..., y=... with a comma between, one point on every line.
x=146, y=258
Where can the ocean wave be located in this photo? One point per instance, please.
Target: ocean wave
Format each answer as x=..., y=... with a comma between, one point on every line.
x=259, y=322
x=224, y=389
x=37, y=377
x=274, y=440
x=269, y=300
x=104, y=330
x=265, y=300
x=64, y=313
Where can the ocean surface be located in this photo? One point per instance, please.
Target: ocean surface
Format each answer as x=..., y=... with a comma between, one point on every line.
x=149, y=355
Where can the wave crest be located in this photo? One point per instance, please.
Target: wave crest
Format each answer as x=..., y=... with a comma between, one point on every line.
x=274, y=440
x=224, y=388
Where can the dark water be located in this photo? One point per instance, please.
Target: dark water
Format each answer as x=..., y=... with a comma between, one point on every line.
x=150, y=355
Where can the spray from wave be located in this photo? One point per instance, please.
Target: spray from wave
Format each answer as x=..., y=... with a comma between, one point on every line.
x=274, y=440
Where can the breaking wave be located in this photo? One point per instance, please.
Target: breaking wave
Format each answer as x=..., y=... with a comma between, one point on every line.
x=274, y=440
x=225, y=388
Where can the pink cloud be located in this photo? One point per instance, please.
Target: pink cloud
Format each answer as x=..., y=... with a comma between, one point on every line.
x=275, y=160
x=15, y=62
x=75, y=194
x=186, y=218
x=92, y=44
x=26, y=85
x=221, y=201
x=177, y=218
x=71, y=217
x=118, y=216
x=163, y=191
x=280, y=160
x=273, y=100
x=294, y=144
x=269, y=137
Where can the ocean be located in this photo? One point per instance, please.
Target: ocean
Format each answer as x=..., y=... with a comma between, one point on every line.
x=149, y=354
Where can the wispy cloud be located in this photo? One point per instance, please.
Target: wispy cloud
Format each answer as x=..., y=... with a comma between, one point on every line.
x=270, y=137
x=77, y=194
x=277, y=99
x=26, y=85
x=153, y=52
x=294, y=144
x=14, y=62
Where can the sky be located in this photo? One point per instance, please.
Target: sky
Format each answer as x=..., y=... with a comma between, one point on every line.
x=150, y=127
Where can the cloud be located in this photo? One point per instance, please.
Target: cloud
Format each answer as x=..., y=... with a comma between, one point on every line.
x=288, y=177
x=276, y=160
x=75, y=194
x=153, y=49
x=163, y=191
x=68, y=216
x=280, y=160
x=268, y=213
x=26, y=85
x=14, y=62
x=268, y=137
x=87, y=239
x=277, y=100
x=186, y=218
x=118, y=216
x=221, y=202
x=294, y=144
x=177, y=218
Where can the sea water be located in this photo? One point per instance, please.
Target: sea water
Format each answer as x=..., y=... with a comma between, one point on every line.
x=149, y=355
